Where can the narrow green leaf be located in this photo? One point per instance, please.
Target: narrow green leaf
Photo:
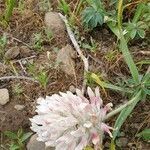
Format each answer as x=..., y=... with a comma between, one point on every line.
x=138, y=12
x=141, y=33
x=14, y=147
x=133, y=33
x=108, y=85
x=145, y=62
x=125, y=113
x=26, y=136
x=10, y=4
x=10, y=135
x=128, y=59
x=145, y=134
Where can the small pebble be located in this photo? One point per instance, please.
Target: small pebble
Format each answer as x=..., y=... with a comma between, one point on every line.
x=33, y=144
x=72, y=89
x=12, y=53
x=4, y=96
x=19, y=107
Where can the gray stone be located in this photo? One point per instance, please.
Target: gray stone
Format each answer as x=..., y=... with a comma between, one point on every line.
x=33, y=144
x=55, y=24
x=25, y=51
x=4, y=96
x=65, y=61
x=12, y=53
x=122, y=142
x=19, y=107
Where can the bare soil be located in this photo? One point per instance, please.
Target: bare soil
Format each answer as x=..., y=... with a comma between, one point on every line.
x=20, y=32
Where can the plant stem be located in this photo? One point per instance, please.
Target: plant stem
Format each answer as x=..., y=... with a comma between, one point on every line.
x=77, y=48
x=119, y=109
x=18, y=77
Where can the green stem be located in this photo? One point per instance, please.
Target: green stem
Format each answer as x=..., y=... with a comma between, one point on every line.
x=119, y=109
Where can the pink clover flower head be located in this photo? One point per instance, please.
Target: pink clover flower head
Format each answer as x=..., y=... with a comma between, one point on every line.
x=71, y=122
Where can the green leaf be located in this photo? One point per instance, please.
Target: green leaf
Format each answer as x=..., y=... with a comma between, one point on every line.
x=94, y=15
x=145, y=62
x=10, y=135
x=145, y=134
x=108, y=85
x=125, y=113
x=13, y=147
x=128, y=58
x=26, y=136
x=141, y=33
x=10, y=4
x=138, y=12
x=20, y=132
x=133, y=33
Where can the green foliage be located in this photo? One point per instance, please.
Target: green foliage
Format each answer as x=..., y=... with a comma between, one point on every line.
x=21, y=5
x=17, y=89
x=94, y=15
x=125, y=113
x=64, y=7
x=140, y=22
x=134, y=29
x=141, y=84
x=10, y=4
x=17, y=140
x=92, y=46
x=145, y=134
x=43, y=78
x=3, y=42
x=40, y=75
x=44, y=5
x=138, y=86
x=37, y=41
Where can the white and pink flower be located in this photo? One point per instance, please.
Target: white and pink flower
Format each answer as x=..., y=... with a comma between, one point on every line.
x=71, y=122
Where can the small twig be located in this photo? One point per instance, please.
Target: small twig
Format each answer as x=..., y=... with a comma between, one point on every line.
x=77, y=48
x=18, y=77
x=145, y=52
x=22, y=67
x=26, y=58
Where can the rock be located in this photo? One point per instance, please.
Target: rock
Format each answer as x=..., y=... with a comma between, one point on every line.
x=12, y=53
x=19, y=107
x=64, y=57
x=122, y=142
x=25, y=51
x=33, y=144
x=4, y=96
x=107, y=144
x=55, y=24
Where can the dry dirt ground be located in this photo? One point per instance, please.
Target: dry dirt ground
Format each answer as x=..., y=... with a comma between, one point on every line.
x=107, y=61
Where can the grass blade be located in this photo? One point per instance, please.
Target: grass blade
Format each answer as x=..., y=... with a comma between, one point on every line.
x=125, y=113
x=108, y=85
x=128, y=59
x=10, y=4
